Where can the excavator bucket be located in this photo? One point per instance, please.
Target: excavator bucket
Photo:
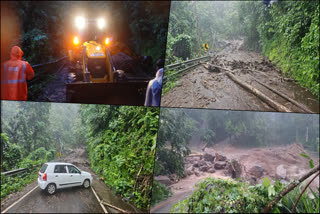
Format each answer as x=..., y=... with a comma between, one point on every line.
x=118, y=93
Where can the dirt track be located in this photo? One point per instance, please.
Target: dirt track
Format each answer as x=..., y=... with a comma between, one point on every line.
x=200, y=88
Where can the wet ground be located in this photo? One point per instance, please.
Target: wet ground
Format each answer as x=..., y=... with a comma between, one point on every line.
x=201, y=88
x=56, y=90
x=68, y=200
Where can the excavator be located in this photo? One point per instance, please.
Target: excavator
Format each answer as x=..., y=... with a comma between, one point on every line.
x=105, y=71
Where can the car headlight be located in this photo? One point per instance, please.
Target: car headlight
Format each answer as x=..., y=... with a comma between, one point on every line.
x=101, y=23
x=80, y=22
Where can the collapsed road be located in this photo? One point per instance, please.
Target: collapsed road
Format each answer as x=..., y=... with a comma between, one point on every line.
x=217, y=85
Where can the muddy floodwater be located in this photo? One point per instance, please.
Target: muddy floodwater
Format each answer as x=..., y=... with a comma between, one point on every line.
x=201, y=88
x=255, y=163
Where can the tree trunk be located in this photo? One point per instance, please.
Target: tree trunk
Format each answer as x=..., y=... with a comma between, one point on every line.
x=289, y=188
x=277, y=106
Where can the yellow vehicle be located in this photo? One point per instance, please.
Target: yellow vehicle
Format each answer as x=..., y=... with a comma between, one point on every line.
x=97, y=80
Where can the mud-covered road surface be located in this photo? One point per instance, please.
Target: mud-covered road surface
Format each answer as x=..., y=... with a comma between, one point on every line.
x=68, y=200
x=201, y=88
x=55, y=91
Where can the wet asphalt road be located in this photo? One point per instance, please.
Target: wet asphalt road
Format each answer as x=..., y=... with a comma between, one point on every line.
x=68, y=200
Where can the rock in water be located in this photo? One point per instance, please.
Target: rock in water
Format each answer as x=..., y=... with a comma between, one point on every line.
x=220, y=157
x=281, y=172
x=204, y=168
x=220, y=164
x=256, y=171
x=212, y=170
x=209, y=157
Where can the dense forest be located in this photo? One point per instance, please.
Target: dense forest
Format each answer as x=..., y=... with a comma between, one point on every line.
x=243, y=129
x=43, y=29
x=286, y=32
x=120, y=141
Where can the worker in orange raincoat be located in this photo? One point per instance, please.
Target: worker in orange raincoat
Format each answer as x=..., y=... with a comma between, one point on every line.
x=14, y=74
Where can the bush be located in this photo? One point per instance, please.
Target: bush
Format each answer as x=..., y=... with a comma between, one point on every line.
x=159, y=193
x=226, y=196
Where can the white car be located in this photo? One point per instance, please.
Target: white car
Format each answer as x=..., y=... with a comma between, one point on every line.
x=57, y=175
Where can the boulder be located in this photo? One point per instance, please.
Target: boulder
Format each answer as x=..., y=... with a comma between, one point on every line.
x=220, y=157
x=208, y=157
x=197, y=173
x=195, y=164
x=256, y=171
x=212, y=170
x=281, y=172
x=189, y=171
x=220, y=164
x=204, y=168
x=202, y=163
x=233, y=169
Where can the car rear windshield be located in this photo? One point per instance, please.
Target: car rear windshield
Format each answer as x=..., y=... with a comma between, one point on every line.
x=43, y=168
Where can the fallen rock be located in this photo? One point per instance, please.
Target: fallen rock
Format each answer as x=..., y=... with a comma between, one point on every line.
x=220, y=157
x=256, y=171
x=208, y=157
x=233, y=169
x=212, y=170
x=197, y=173
x=204, y=168
x=281, y=172
x=220, y=164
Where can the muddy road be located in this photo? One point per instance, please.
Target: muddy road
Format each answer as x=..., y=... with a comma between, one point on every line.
x=201, y=88
x=68, y=200
x=56, y=90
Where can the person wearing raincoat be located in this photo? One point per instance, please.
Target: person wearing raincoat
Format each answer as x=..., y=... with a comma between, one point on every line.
x=14, y=74
x=153, y=94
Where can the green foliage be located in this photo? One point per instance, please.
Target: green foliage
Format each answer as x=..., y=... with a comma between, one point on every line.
x=121, y=143
x=308, y=203
x=11, y=184
x=12, y=159
x=171, y=81
x=173, y=137
x=226, y=196
x=288, y=34
x=159, y=193
x=11, y=154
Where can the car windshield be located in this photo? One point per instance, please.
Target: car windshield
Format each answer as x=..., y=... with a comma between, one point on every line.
x=43, y=168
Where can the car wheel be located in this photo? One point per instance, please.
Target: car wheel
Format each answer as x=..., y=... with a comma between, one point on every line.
x=86, y=183
x=51, y=189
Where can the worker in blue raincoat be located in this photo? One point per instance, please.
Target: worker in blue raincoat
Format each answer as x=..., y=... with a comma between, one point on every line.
x=153, y=94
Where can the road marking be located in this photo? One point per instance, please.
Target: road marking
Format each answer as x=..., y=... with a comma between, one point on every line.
x=19, y=200
x=102, y=206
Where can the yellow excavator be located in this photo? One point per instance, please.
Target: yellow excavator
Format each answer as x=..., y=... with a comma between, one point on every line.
x=105, y=71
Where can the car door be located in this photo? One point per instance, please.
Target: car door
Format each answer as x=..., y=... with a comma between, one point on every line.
x=74, y=176
x=60, y=176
